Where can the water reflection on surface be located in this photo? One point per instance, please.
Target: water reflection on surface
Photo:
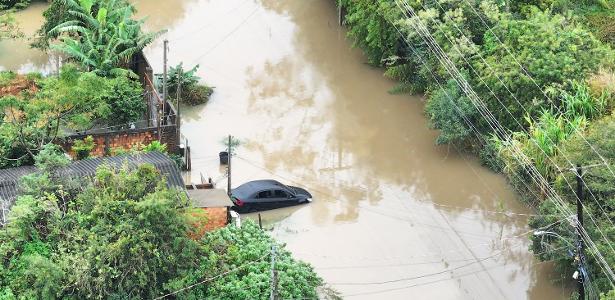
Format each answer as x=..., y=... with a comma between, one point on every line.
x=17, y=55
x=389, y=204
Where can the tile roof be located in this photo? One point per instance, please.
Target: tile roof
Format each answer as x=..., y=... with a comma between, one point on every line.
x=9, y=178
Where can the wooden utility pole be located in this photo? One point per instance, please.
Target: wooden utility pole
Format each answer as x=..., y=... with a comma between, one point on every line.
x=580, y=255
x=165, y=87
x=230, y=155
x=177, y=116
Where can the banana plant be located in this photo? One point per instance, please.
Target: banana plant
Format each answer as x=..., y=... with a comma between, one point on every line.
x=102, y=35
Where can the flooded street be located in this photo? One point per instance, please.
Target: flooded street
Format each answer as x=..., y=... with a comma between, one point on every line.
x=394, y=216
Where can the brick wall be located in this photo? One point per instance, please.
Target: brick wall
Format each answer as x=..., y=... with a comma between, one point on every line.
x=105, y=142
x=207, y=219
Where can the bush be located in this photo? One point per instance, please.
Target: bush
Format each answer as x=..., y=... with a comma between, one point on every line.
x=82, y=148
x=553, y=60
x=125, y=98
x=450, y=111
x=17, y=4
x=196, y=94
x=192, y=92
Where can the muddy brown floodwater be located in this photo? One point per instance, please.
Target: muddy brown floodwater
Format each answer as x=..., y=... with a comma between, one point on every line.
x=394, y=216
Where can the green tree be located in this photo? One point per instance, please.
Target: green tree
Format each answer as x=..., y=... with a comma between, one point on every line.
x=123, y=234
x=70, y=101
x=370, y=27
x=599, y=180
x=551, y=62
x=248, y=247
x=15, y=4
x=450, y=111
x=124, y=96
x=192, y=92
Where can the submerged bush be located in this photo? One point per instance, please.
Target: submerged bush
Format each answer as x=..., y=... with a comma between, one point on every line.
x=453, y=113
x=196, y=94
x=192, y=93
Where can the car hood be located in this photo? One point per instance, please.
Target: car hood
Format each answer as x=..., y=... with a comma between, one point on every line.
x=300, y=191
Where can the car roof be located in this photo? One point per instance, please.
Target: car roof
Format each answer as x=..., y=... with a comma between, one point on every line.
x=248, y=188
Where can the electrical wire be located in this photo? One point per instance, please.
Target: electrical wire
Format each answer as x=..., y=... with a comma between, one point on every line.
x=536, y=176
x=432, y=282
x=520, y=105
x=472, y=95
x=243, y=22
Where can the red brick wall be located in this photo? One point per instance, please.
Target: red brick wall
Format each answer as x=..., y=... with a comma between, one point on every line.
x=108, y=141
x=207, y=219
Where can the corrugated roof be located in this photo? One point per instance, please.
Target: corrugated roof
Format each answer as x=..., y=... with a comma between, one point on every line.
x=9, y=178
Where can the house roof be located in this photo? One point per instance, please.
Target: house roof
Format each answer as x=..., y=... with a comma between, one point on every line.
x=204, y=198
x=9, y=178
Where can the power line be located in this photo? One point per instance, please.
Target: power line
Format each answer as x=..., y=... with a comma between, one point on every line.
x=422, y=275
x=183, y=36
x=537, y=86
x=227, y=35
x=520, y=105
x=433, y=281
x=495, y=125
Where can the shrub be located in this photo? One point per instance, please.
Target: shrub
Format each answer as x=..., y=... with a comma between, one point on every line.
x=17, y=4
x=553, y=60
x=196, y=94
x=192, y=92
x=155, y=146
x=125, y=98
x=82, y=148
x=450, y=111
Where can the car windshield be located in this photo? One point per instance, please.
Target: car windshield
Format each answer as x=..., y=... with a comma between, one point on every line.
x=289, y=189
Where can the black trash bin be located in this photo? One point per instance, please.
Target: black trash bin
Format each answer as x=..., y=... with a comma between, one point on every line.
x=224, y=158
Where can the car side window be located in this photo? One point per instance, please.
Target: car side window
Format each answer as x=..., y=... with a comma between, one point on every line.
x=264, y=195
x=280, y=194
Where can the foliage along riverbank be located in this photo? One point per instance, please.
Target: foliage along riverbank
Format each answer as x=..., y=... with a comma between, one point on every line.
x=541, y=71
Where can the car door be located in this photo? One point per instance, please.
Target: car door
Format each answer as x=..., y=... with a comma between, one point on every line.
x=265, y=198
x=281, y=197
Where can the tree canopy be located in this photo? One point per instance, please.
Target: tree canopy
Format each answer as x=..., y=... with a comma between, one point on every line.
x=125, y=234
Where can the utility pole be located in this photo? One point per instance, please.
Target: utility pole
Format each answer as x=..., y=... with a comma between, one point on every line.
x=165, y=87
x=273, y=279
x=230, y=155
x=580, y=255
x=179, y=93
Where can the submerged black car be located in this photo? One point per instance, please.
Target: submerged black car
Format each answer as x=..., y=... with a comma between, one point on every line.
x=267, y=194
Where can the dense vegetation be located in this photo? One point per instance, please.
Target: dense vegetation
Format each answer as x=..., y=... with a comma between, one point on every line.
x=543, y=73
x=14, y=4
x=37, y=110
x=101, y=35
x=124, y=234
